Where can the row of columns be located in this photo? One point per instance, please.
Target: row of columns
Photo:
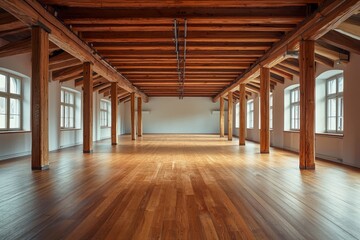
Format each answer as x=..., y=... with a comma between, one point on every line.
x=307, y=108
x=40, y=95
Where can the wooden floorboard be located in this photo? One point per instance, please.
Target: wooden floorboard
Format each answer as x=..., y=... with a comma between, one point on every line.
x=178, y=187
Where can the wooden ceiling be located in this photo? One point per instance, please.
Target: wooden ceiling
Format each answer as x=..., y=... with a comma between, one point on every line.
x=216, y=41
x=222, y=40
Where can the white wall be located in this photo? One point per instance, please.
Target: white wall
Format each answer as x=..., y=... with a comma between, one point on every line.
x=19, y=143
x=346, y=148
x=172, y=115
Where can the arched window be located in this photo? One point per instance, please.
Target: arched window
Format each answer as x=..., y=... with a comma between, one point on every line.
x=292, y=108
x=11, y=101
x=330, y=102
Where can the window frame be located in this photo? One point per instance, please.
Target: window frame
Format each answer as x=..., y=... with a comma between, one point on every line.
x=64, y=104
x=107, y=113
x=7, y=95
x=271, y=116
x=337, y=95
x=250, y=112
x=237, y=115
x=294, y=104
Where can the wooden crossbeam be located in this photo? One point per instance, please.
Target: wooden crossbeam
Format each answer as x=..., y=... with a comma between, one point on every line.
x=292, y=14
x=342, y=41
x=183, y=3
x=19, y=47
x=67, y=72
x=31, y=13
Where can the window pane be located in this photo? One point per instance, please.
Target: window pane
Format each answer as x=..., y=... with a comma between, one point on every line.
x=71, y=98
x=2, y=83
x=341, y=84
x=14, y=106
x=331, y=86
x=14, y=121
x=15, y=85
x=62, y=96
x=2, y=105
x=332, y=107
x=331, y=123
x=340, y=122
x=2, y=120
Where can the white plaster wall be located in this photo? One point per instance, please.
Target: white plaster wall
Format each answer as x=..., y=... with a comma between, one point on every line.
x=172, y=115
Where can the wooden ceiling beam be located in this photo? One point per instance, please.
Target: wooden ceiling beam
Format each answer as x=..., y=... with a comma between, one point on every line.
x=281, y=73
x=101, y=86
x=19, y=47
x=351, y=26
x=342, y=41
x=66, y=64
x=67, y=72
x=329, y=15
x=183, y=3
x=149, y=37
x=258, y=15
x=31, y=13
x=244, y=53
x=9, y=22
x=287, y=70
x=190, y=46
x=193, y=28
x=324, y=60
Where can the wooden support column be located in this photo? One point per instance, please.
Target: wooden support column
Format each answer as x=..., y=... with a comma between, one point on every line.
x=139, y=121
x=133, y=128
x=87, y=107
x=39, y=99
x=230, y=115
x=114, y=113
x=307, y=104
x=264, y=109
x=242, y=113
x=222, y=121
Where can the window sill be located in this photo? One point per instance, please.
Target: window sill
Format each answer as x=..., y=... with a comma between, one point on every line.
x=105, y=127
x=70, y=129
x=14, y=132
x=291, y=131
x=335, y=135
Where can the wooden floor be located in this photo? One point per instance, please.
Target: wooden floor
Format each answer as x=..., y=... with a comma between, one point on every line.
x=178, y=187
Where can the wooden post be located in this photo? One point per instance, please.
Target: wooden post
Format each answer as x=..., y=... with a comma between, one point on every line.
x=139, y=122
x=230, y=115
x=265, y=108
x=39, y=99
x=222, y=121
x=307, y=104
x=132, y=103
x=114, y=112
x=87, y=107
x=242, y=113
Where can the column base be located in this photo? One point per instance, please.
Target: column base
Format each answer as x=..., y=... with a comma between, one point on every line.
x=114, y=144
x=87, y=151
x=45, y=167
